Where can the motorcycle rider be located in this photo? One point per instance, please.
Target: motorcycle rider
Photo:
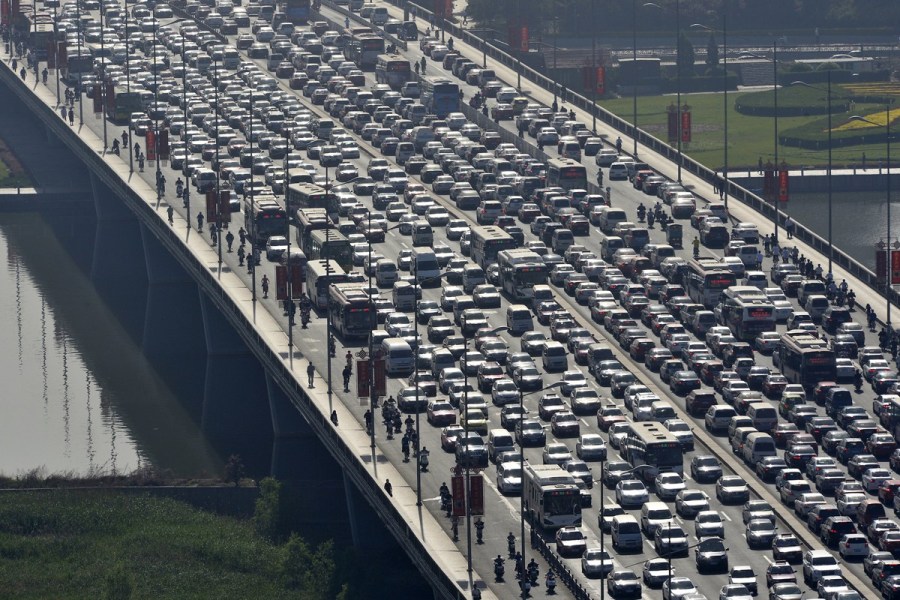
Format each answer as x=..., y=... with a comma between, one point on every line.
x=550, y=582
x=511, y=543
x=423, y=459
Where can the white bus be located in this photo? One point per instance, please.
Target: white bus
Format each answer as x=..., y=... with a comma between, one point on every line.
x=393, y=70
x=351, y=310
x=651, y=445
x=706, y=280
x=566, y=173
x=747, y=312
x=488, y=242
x=521, y=270
x=552, y=498
x=320, y=274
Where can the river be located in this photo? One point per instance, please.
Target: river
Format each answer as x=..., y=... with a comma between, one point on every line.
x=78, y=396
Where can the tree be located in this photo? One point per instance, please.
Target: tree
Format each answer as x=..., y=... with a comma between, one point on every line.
x=267, y=515
x=712, y=52
x=313, y=573
x=685, y=58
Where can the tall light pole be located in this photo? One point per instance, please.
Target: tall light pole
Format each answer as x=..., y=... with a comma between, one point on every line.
x=775, y=102
x=804, y=84
x=724, y=183
x=890, y=246
x=522, y=395
x=677, y=75
x=103, y=98
x=634, y=76
x=128, y=90
x=594, y=66
x=185, y=135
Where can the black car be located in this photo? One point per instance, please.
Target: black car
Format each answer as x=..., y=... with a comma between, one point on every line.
x=711, y=555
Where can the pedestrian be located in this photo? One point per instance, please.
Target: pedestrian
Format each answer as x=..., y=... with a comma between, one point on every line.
x=789, y=227
x=242, y=235
x=200, y=221
x=229, y=239
x=696, y=245
x=124, y=138
x=785, y=255
x=347, y=373
x=368, y=419
x=404, y=447
x=265, y=280
x=63, y=112
x=137, y=149
x=334, y=418
x=389, y=488
x=171, y=214
x=715, y=182
x=767, y=245
x=759, y=260
x=241, y=254
x=23, y=73
x=15, y=64
x=423, y=65
x=71, y=116
x=310, y=373
x=795, y=255
x=44, y=74
x=759, y=165
x=141, y=162
x=417, y=68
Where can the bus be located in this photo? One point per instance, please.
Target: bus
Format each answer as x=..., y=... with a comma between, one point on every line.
x=297, y=11
x=487, y=241
x=805, y=359
x=747, y=312
x=393, y=70
x=320, y=274
x=265, y=218
x=706, y=279
x=308, y=220
x=552, y=498
x=566, y=173
x=364, y=50
x=440, y=96
x=652, y=446
x=123, y=104
x=310, y=195
x=78, y=64
x=521, y=270
x=351, y=310
x=330, y=244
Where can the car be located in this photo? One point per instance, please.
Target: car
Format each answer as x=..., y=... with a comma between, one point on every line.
x=631, y=493
x=556, y=453
x=596, y=563
x=734, y=591
x=668, y=485
x=853, y=545
x=786, y=547
x=760, y=533
x=756, y=509
x=710, y=555
x=732, y=489
x=441, y=413
x=818, y=563
x=449, y=437
x=785, y=591
x=624, y=584
x=780, y=572
x=509, y=478
x=276, y=246
x=690, y=502
x=708, y=523
x=570, y=542
x=656, y=571
x=829, y=585
x=591, y=447
x=530, y=433
x=670, y=539
x=705, y=468
x=743, y=575
x=678, y=587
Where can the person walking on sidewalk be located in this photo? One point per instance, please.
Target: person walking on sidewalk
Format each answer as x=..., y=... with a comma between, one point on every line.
x=310, y=374
x=265, y=282
x=789, y=227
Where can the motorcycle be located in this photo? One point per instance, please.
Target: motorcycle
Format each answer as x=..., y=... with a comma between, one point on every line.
x=304, y=318
x=533, y=575
x=858, y=383
x=499, y=570
x=511, y=545
x=423, y=461
x=550, y=583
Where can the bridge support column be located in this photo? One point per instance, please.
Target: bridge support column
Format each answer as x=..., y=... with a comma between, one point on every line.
x=52, y=140
x=366, y=529
x=235, y=416
x=173, y=325
x=307, y=470
x=117, y=267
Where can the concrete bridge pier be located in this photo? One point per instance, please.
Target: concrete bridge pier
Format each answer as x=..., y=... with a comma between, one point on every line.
x=173, y=336
x=235, y=416
x=366, y=529
x=117, y=266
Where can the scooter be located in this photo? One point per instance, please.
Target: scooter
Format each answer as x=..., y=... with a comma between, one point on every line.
x=550, y=582
x=499, y=570
x=423, y=461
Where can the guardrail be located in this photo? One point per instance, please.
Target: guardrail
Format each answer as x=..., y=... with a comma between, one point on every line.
x=743, y=195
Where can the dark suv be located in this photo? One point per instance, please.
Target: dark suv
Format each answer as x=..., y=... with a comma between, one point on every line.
x=835, y=528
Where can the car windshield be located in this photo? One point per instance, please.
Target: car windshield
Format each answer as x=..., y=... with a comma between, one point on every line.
x=713, y=545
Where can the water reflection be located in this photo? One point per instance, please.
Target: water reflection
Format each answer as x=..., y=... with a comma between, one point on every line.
x=78, y=395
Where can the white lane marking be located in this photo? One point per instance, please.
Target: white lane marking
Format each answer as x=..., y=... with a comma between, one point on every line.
x=768, y=560
x=725, y=516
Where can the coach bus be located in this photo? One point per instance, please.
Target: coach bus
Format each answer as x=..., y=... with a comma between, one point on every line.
x=747, y=312
x=487, y=241
x=805, y=359
x=364, y=50
x=265, y=218
x=566, y=173
x=706, y=279
x=351, y=310
x=393, y=70
x=552, y=498
x=652, y=446
x=521, y=270
x=440, y=96
x=320, y=274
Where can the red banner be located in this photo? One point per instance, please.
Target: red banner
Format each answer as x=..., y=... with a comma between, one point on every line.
x=4, y=13
x=280, y=282
x=164, y=144
x=362, y=379
x=458, y=489
x=476, y=495
x=51, y=52
x=685, y=125
x=110, y=96
x=895, y=267
x=97, y=97
x=62, y=56
x=212, y=208
x=225, y=206
x=150, y=144
x=783, y=186
x=297, y=290
x=380, y=377
x=600, y=81
x=523, y=39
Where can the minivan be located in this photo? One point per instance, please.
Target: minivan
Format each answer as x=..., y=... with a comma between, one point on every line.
x=869, y=510
x=626, y=533
x=499, y=441
x=398, y=356
x=609, y=245
x=654, y=514
x=424, y=265
x=385, y=272
x=554, y=356
x=473, y=276
x=562, y=239
x=403, y=295
x=441, y=359
x=422, y=234
x=763, y=416
x=540, y=293
x=611, y=217
x=758, y=446
x=739, y=438
x=519, y=319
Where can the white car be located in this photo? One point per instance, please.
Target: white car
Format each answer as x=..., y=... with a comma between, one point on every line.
x=437, y=216
x=735, y=591
x=442, y=184
x=669, y=485
x=853, y=544
x=631, y=493
x=596, y=562
x=708, y=523
x=617, y=170
x=691, y=502
x=678, y=587
x=873, y=478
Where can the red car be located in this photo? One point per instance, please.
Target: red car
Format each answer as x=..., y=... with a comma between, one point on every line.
x=887, y=490
x=609, y=415
x=881, y=444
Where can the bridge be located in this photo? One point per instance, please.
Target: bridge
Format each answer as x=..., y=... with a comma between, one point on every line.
x=198, y=307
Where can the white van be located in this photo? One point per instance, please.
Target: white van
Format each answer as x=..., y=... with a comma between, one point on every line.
x=569, y=148
x=611, y=217
x=403, y=296
x=626, y=533
x=763, y=416
x=398, y=356
x=473, y=276
x=441, y=359
x=424, y=266
x=554, y=357
x=540, y=293
x=379, y=15
x=758, y=446
x=654, y=514
x=756, y=279
x=609, y=245
x=519, y=319
x=499, y=441
x=385, y=272
x=562, y=239
x=422, y=234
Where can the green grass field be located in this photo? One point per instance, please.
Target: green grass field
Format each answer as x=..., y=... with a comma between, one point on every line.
x=749, y=137
x=66, y=545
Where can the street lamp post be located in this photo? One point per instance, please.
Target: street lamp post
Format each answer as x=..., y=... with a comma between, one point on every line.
x=677, y=75
x=522, y=395
x=890, y=246
x=724, y=182
x=775, y=102
x=593, y=79
x=634, y=76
